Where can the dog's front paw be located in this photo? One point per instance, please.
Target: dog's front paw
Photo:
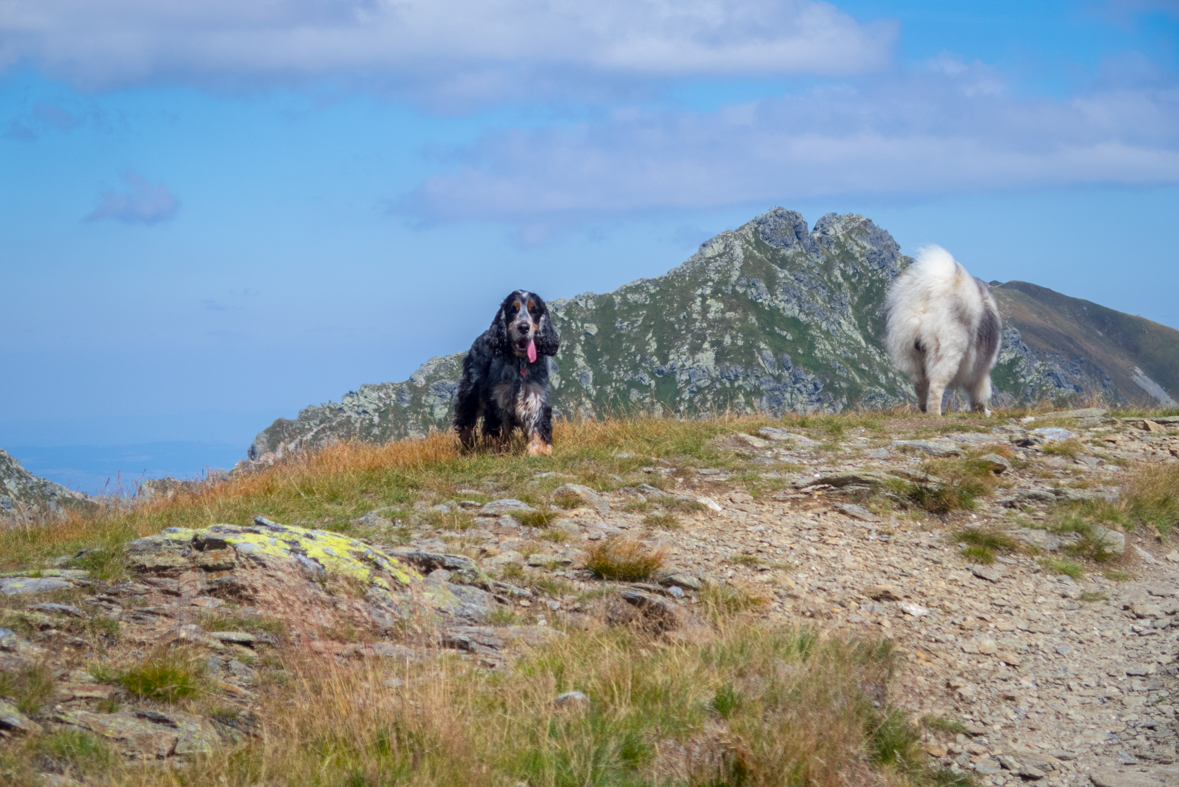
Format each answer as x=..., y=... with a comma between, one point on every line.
x=538, y=447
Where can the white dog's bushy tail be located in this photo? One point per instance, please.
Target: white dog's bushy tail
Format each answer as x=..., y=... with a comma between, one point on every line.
x=942, y=329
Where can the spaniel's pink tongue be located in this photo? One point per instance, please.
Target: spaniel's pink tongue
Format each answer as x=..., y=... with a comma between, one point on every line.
x=531, y=351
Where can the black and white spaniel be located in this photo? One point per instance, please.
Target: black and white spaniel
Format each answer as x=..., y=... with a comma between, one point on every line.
x=506, y=376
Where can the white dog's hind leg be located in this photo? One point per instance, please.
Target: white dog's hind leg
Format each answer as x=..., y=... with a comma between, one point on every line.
x=980, y=395
x=921, y=384
x=941, y=371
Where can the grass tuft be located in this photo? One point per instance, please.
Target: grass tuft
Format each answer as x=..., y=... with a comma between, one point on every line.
x=30, y=686
x=567, y=499
x=1068, y=568
x=727, y=599
x=168, y=676
x=228, y=621
x=942, y=724
x=1069, y=448
x=624, y=559
x=981, y=545
x=538, y=518
x=662, y=521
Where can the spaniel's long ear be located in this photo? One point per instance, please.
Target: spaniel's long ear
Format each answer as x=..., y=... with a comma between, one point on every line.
x=547, y=342
x=499, y=334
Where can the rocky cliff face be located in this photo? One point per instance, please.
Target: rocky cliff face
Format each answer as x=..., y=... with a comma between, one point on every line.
x=773, y=317
x=23, y=493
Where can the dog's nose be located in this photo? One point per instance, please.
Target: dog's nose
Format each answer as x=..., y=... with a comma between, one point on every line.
x=523, y=327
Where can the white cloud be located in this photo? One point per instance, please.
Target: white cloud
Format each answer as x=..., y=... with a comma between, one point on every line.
x=42, y=118
x=919, y=135
x=461, y=47
x=142, y=203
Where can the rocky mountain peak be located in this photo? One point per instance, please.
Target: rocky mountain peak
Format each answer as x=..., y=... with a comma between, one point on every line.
x=771, y=317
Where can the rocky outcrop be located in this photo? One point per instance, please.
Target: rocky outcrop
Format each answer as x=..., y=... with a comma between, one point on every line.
x=24, y=495
x=771, y=317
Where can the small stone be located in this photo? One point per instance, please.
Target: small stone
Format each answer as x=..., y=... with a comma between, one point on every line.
x=13, y=721
x=986, y=572
x=856, y=512
x=935, y=447
x=579, y=492
x=1111, y=540
x=548, y=561
x=60, y=609
x=883, y=593
x=507, y=506
x=571, y=699
x=1113, y=776
x=1146, y=556
x=234, y=637
x=509, y=556
x=57, y=780
x=1009, y=762
x=995, y=463
x=1148, y=425
x=1051, y=433
x=987, y=766
x=751, y=441
x=648, y=491
x=916, y=610
x=1173, y=556
x=685, y=581
x=986, y=646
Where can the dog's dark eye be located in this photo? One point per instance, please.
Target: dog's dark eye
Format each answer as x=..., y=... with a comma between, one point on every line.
x=516, y=306
x=531, y=306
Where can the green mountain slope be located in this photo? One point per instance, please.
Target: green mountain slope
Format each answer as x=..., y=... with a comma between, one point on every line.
x=771, y=317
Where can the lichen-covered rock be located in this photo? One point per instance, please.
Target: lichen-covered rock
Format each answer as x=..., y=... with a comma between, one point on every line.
x=147, y=734
x=12, y=721
x=313, y=579
x=42, y=581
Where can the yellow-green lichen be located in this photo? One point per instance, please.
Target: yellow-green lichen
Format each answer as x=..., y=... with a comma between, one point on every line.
x=331, y=552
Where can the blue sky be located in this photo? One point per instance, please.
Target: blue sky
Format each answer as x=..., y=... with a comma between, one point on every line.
x=214, y=214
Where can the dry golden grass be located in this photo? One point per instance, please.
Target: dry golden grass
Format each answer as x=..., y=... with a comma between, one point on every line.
x=334, y=485
x=624, y=559
x=740, y=704
x=1149, y=497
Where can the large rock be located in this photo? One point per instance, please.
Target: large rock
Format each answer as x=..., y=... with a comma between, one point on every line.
x=313, y=579
x=42, y=581
x=147, y=734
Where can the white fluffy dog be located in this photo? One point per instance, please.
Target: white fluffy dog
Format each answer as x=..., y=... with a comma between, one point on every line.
x=942, y=328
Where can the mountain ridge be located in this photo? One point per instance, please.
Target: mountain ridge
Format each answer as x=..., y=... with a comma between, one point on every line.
x=774, y=317
x=24, y=494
